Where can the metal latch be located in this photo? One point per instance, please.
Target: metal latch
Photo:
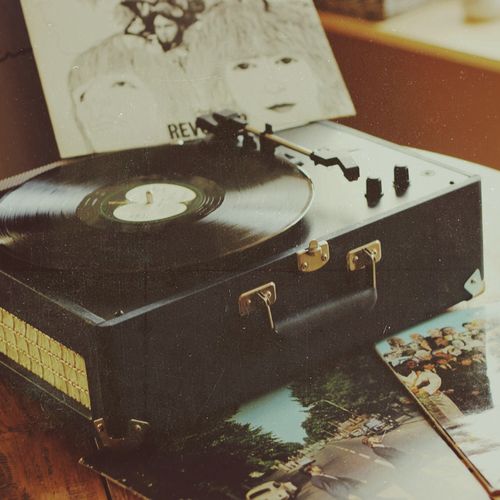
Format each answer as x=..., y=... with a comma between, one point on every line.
x=369, y=254
x=314, y=257
x=262, y=296
x=136, y=430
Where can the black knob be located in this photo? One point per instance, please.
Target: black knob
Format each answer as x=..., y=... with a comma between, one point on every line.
x=401, y=179
x=373, y=191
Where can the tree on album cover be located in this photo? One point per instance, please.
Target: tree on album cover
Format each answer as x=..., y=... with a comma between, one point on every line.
x=289, y=441
x=119, y=74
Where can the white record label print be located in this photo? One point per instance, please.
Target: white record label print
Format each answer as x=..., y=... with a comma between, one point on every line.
x=154, y=202
x=120, y=74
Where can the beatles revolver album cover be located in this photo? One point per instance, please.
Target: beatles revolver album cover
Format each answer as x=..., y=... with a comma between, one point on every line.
x=119, y=74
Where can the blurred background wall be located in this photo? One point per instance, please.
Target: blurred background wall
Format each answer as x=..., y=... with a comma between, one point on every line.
x=26, y=137
x=428, y=78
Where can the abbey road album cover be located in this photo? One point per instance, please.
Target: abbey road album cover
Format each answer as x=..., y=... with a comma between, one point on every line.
x=451, y=365
x=119, y=74
x=348, y=433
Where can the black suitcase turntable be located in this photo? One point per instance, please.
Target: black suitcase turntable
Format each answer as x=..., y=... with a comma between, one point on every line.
x=273, y=267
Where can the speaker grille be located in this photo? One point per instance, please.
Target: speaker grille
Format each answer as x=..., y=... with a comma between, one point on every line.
x=43, y=356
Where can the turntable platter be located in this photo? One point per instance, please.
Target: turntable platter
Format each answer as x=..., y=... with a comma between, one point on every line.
x=163, y=207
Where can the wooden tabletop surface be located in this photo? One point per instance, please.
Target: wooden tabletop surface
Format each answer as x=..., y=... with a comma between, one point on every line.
x=37, y=462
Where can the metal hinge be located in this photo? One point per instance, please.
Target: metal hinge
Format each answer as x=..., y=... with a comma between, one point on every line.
x=365, y=255
x=136, y=430
x=314, y=257
x=262, y=296
x=475, y=284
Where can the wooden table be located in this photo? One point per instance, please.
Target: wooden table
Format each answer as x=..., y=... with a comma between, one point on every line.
x=38, y=461
x=425, y=78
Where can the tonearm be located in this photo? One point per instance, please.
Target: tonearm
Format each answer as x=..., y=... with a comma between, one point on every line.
x=230, y=126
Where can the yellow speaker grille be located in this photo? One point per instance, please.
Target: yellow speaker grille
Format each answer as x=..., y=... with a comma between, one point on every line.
x=45, y=357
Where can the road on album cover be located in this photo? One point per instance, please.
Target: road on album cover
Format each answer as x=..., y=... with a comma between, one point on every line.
x=427, y=460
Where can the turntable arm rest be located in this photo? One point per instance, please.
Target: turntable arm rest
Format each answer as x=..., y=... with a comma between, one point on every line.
x=330, y=158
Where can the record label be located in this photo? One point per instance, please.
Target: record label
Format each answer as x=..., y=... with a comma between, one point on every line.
x=151, y=203
x=139, y=203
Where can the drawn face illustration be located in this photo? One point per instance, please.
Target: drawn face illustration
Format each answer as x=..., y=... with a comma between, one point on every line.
x=279, y=90
x=118, y=111
x=165, y=29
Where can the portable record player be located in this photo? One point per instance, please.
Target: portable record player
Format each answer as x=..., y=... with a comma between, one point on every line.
x=154, y=287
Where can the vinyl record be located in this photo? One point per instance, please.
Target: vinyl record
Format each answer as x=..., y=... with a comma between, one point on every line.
x=163, y=207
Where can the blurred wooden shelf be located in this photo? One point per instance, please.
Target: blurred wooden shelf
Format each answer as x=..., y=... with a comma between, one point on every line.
x=437, y=29
x=425, y=78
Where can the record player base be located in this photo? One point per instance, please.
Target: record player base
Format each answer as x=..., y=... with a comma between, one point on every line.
x=180, y=357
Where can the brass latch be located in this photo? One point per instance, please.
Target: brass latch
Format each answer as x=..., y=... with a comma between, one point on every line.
x=369, y=254
x=136, y=429
x=314, y=257
x=262, y=296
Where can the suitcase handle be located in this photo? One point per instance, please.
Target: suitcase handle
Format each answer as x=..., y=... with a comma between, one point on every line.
x=330, y=311
x=263, y=297
x=363, y=301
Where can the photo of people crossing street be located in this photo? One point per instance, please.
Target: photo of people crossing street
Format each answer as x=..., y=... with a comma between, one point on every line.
x=350, y=432
x=451, y=366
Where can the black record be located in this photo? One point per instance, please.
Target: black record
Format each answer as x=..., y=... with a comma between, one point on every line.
x=154, y=208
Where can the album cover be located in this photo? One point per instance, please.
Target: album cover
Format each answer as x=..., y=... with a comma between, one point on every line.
x=348, y=433
x=119, y=74
x=451, y=365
